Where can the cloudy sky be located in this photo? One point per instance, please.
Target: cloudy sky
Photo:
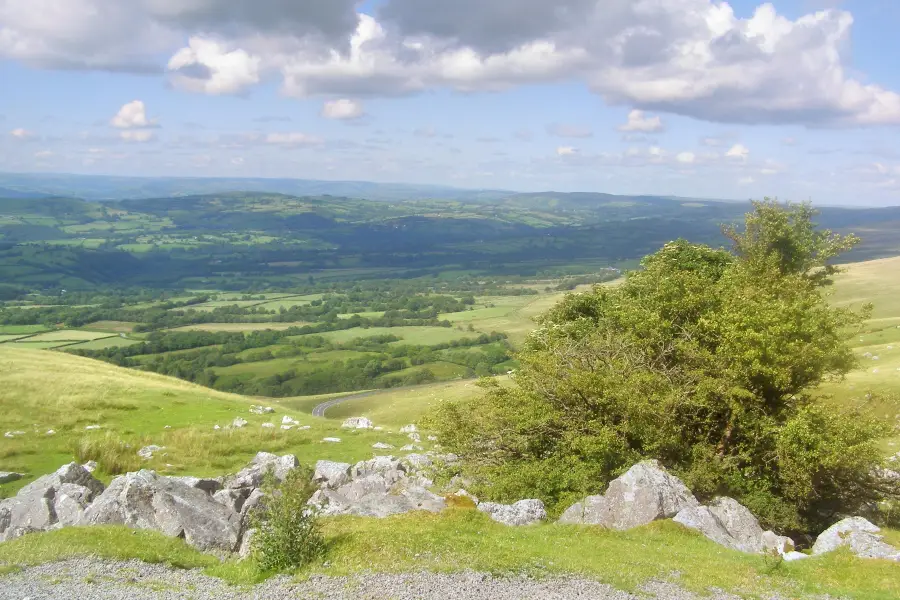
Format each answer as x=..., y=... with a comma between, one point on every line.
x=794, y=98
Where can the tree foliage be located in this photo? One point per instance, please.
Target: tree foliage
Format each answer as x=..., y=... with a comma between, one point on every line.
x=704, y=359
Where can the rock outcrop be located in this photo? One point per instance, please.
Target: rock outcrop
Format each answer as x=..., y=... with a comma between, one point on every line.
x=379, y=487
x=728, y=523
x=357, y=423
x=523, y=512
x=145, y=500
x=645, y=493
x=860, y=536
x=50, y=502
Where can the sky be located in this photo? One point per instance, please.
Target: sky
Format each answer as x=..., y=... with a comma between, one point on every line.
x=795, y=99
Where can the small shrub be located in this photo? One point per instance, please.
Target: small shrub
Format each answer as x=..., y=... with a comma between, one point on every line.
x=288, y=535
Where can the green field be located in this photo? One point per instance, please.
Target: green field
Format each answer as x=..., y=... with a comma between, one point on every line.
x=21, y=329
x=239, y=327
x=9, y=338
x=28, y=344
x=111, y=326
x=110, y=342
x=418, y=336
x=68, y=335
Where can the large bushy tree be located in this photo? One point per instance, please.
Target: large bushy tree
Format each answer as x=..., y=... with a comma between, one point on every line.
x=705, y=359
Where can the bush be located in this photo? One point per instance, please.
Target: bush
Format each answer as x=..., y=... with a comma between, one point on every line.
x=287, y=535
x=705, y=360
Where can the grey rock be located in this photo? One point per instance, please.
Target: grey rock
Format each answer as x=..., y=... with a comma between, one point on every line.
x=210, y=486
x=860, y=536
x=644, y=494
x=390, y=469
x=238, y=423
x=331, y=440
x=331, y=474
x=726, y=522
x=357, y=423
x=145, y=500
x=523, y=512
x=7, y=477
x=409, y=429
x=382, y=446
x=90, y=466
x=416, y=462
x=246, y=548
x=147, y=452
x=253, y=474
x=49, y=502
x=772, y=542
x=233, y=499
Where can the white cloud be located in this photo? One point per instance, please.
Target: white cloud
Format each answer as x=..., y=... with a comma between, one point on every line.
x=207, y=66
x=638, y=122
x=343, y=109
x=686, y=157
x=746, y=180
x=21, y=134
x=137, y=135
x=131, y=116
x=566, y=151
x=43, y=154
x=292, y=139
x=739, y=151
x=237, y=161
x=688, y=57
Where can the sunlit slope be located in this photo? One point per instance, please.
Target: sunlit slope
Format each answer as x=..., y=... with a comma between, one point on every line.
x=42, y=391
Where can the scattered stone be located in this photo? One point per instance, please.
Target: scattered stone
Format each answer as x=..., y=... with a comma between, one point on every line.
x=332, y=440
x=289, y=421
x=51, y=432
x=410, y=448
x=417, y=461
x=167, y=427
x=216, y=428
x=415, y=437
x=287, y=427
x=523, y=512
x=357, y=423
x=7, y=477
x=409, y=429
x=432, y=438
x=145, y=500
x=378, y=429
x=12, y=434
x=382, y=446
x=90, y=466
x=261, y=410
x=268, y=426
x=147, y=452
x=238, y=423
x=646, y=493
x=860, y=535
x=331, y=474
x=49, y=502
x=304, y=428
x=92, y=428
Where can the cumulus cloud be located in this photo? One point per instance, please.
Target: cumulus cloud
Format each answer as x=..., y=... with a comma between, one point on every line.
x=746, y=180
x=564, y=130
x=686, y=157
x=566, y=151
x=22, y=134
x=738, y=151
x=132, y=115
x=688, y=57
x=637, y=121
x=210, y=67
x=343, y=109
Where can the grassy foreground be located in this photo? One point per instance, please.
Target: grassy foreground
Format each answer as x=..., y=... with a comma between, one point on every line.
x=462, y=539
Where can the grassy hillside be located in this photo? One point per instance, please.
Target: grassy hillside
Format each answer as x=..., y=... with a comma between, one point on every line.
x=42, y=391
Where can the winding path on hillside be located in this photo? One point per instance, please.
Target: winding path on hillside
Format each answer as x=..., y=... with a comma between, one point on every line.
x=319, y=410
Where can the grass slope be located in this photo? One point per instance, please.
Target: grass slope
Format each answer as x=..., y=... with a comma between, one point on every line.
x=42, y=391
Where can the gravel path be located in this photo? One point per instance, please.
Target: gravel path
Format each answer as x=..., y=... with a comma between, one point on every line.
x=89, y=579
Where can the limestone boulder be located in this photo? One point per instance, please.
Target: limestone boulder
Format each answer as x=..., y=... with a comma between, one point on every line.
x=645, y=493
x=726, y=522
x=331, y=474
x=253, y=474
x=523, y=512
x=357, y=423
x=49, y=502
x=145, y=500
x=860, y=536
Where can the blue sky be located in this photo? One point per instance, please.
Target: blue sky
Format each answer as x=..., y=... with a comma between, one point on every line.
x=798, y=99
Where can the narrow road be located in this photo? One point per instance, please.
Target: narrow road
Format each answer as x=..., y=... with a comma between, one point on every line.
x=319, y=410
